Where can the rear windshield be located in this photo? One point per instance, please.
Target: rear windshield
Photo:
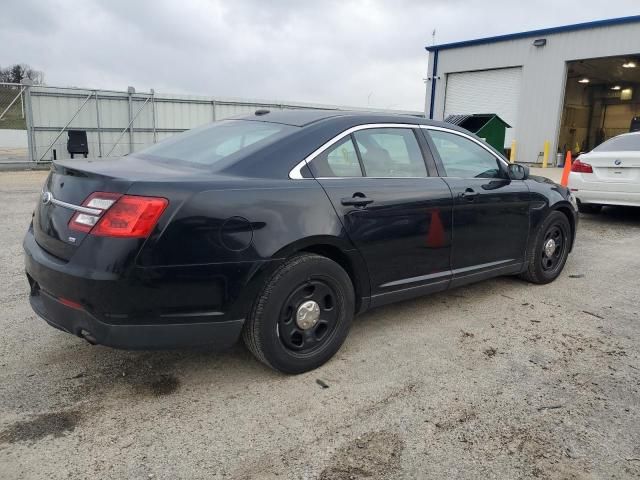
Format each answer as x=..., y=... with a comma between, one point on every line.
x=210, y=144
x=622, y=143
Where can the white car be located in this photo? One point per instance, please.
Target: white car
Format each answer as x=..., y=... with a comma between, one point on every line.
x=608, y=175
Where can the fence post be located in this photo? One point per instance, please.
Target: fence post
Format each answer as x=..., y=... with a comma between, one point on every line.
x=29, y=119
x=98, y=125
x=153, y=114
x=131, y=91
x=128, y=127
x=213, y=108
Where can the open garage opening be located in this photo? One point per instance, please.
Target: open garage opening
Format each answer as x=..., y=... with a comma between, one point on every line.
x=602, y=100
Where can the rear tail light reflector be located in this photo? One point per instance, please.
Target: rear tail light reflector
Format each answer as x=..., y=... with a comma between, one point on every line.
x=70, y=303
x=581, y=167
x=119, y=215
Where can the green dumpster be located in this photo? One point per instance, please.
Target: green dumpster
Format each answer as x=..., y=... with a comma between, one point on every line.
x=488, y=126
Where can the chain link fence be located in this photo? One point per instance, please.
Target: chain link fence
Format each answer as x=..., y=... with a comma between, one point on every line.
x=13, y=124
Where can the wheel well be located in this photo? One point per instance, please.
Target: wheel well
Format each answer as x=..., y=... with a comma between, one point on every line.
x=334, y=253
x=572, y=222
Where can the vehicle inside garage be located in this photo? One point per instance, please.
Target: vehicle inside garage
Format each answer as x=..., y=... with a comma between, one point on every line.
x=602, y=100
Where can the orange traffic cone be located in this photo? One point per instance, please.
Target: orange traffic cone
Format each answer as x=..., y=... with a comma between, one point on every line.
x=435, y=237
x=566, y=170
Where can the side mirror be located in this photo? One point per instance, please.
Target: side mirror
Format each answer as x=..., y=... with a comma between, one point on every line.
x=518, y=172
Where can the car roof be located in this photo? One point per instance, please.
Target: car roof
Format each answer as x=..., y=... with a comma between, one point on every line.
x=304, y=117
x=311, y=129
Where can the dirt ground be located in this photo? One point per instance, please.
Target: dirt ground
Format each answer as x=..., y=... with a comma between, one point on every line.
x=501, y=379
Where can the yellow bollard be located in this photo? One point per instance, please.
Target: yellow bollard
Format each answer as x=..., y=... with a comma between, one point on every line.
x=545, y=157
x=512, y=154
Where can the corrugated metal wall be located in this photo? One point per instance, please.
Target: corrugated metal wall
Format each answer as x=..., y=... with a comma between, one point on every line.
x=119, y=122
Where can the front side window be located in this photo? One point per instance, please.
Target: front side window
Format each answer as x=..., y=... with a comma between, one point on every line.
x=390, y=152
x=464, y=158
x=210, y=144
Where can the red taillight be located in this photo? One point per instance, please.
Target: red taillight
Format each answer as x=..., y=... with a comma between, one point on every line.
x=581, y=167
x=119, y=215
x=131, y=216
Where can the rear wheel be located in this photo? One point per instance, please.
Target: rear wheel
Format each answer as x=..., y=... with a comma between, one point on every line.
x=549, y=250
x=302, y=316
x=589, y=208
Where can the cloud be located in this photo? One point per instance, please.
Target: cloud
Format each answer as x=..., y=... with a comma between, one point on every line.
x=343, y=52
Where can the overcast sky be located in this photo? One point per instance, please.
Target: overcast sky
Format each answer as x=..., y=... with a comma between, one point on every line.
x=356, y=53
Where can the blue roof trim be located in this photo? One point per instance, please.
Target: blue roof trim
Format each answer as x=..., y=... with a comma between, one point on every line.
x=531, y=33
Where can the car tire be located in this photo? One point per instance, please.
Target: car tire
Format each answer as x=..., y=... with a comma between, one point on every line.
x=545, y=260
x=302, y=316
x=589, y=208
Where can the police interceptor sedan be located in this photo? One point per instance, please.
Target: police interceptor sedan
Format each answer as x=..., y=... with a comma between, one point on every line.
x=279, y=227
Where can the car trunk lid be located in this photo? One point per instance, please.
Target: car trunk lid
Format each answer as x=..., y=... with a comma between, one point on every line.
x=71, y=185
x=73, y=181
x=621, y=168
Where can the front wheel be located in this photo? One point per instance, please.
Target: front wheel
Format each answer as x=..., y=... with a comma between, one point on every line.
x=302, y=316
x=549, y=250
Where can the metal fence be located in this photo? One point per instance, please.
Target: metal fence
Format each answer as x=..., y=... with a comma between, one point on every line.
x=13, y=125
x=117, y=122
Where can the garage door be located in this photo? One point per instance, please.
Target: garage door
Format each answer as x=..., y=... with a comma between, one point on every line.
x=485, y=91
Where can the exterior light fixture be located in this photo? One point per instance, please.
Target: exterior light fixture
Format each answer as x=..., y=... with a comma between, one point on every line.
x=615, y=87
x=539, y=42
x=583, y=80
x=629, y=65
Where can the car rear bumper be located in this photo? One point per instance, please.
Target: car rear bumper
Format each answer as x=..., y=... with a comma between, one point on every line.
x=156, y=309
x=134, y=337
x=604, y=193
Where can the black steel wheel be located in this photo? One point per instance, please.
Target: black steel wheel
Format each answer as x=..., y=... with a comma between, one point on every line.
x=553, y=246
x=548, y=251
x=302, y=316
x=308, y=316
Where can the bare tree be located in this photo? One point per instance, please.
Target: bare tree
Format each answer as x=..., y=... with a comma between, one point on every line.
x=18, y=72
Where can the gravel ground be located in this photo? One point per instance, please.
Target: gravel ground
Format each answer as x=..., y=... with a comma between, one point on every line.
x=501, y=379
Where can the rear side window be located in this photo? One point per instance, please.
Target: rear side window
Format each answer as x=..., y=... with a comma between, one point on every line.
x=210, y=144
x=390, y=152
x=339, y=160
x=621, y=143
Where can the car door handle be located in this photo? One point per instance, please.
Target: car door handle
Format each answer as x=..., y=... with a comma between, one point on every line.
x=469, y=195
x=358, y=200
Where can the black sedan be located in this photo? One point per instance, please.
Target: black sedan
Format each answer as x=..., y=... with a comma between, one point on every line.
x=281, y=226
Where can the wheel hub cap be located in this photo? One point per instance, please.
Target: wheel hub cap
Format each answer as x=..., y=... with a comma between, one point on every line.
x=308, y=314
x=550, y=247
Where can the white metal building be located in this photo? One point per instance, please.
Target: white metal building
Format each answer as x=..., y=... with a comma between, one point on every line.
x=573, y=86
